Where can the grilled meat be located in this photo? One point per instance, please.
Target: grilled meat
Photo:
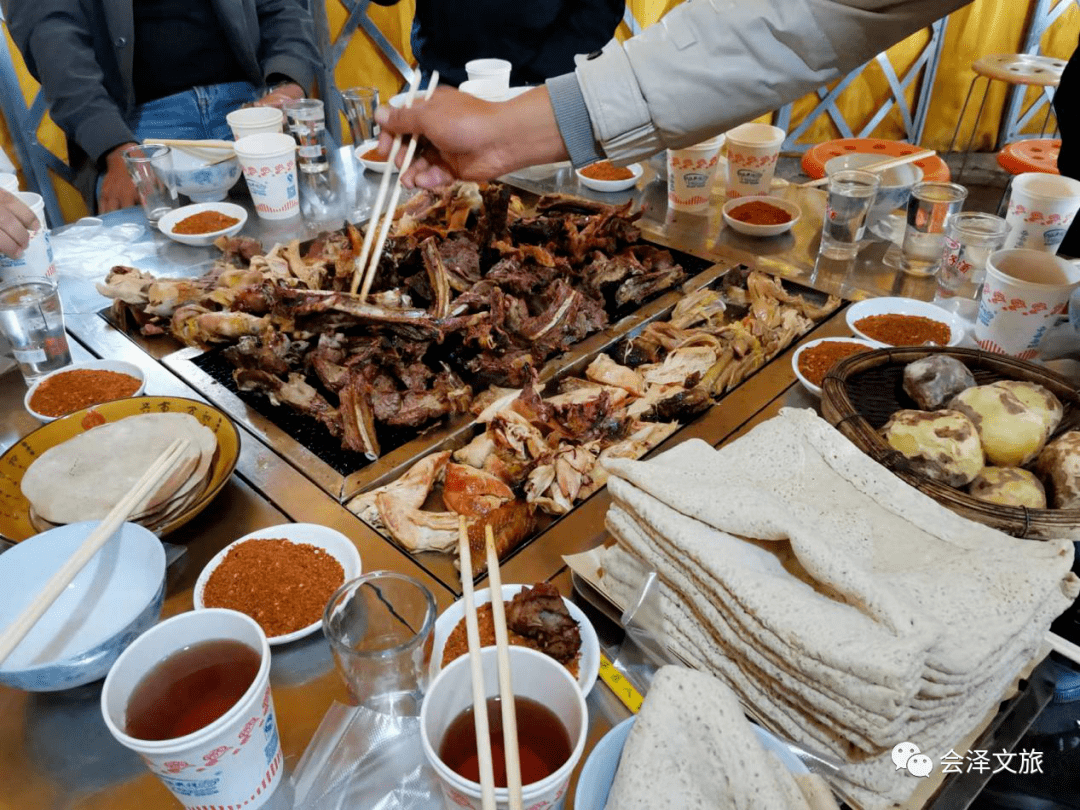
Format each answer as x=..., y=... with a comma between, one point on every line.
x=539, y=613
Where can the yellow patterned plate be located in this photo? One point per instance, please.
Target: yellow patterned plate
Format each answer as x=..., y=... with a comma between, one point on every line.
x=15, y=522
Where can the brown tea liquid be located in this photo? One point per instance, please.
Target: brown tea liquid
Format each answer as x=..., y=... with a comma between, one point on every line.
x=543, y=742
x=190, y=689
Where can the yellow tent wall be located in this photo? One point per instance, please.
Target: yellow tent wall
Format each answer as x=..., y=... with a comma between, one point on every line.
x=984, y=27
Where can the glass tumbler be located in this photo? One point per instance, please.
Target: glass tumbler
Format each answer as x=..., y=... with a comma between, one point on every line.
x=32, y=320
x=150, y=166
x=850, y=194
x=380, y=629
x=970, y=238
x=929, y=209
x=360, y=104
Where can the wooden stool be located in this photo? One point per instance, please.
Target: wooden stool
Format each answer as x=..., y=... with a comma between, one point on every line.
x=1013, y=68
x=814, y=158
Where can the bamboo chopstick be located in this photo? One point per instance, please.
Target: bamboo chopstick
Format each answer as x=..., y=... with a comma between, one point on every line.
x=101, y=533
x=880, y=166
x=472, y=632
x=506, y=689
x=1062, y=646
x=388, y=220
x=190, y=144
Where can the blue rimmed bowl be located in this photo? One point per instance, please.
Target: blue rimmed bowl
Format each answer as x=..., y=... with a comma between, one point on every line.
x=197, y=175
x=115, y=598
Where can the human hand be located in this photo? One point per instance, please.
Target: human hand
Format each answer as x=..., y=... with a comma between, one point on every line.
x=117, y=188
x=16, y=222
x=279, y=95
x=470, y=139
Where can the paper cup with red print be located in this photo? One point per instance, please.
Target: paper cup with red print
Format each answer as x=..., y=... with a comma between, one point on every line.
x=752, y=150
x=269, y=164
x=1041, y=208
x=235, y=761
x=1023, y=292
x=690, y=174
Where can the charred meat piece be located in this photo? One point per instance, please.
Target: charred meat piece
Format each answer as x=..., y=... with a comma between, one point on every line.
x=539, y=613
x=358, y=418
x=238, y=250
x=510, y=524
x=438, y=277
x=472, y=492
x=269, y=352
x=461, y=257
x=294, y=392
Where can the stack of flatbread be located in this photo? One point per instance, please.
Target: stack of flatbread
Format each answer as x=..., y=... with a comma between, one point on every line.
x=84, y=477
x=848, y=611
x=691, y=747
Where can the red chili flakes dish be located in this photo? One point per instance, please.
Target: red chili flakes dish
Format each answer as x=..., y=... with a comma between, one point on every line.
x=904, y=330
x=80, y=388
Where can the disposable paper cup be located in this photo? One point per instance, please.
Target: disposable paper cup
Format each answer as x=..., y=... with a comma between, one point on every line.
x=492, y=74
x=236, y=760
x=690, y=174
x=1041, y=208
x=269, y=164
x=36, y=261
x=752, y=150
x=1023, y=291
x=9, y=182
x=482, y=89
x=535, y=676
x=255, y=121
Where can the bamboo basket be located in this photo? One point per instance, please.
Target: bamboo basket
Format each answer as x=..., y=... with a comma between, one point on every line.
x=860, y=393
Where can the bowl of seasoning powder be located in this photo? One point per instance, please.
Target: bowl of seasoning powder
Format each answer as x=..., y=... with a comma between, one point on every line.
x=281, y=576
x=606, y=176
x=812, y=361
x=81, y=385
x=201, y=223
x=761, y=216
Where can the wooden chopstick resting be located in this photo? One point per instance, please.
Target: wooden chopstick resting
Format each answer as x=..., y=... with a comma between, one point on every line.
x=190, y=144
x=1062, y=646
x=22, y=625
x=880, y=166
x=391, y=206
x=361, y=263
x=506, y=689
x=472, y=632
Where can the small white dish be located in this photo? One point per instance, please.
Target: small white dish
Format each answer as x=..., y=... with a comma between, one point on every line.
x=761, y=230
x=169, y=221
x=588, y=663
x=904, y=306
x=612, y=185
x=809, y=386
x=372, y=165
x=340, y=547
x=120, y=366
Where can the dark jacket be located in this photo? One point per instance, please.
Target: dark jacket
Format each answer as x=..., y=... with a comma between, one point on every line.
x=538, y=37
x=81, y=51
x=1067, y=110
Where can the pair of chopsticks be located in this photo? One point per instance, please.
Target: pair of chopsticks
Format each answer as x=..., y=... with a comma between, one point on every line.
x=22, y=625
x=506, y=691
x=362, y=270
x=201, y=149
x=880, y=166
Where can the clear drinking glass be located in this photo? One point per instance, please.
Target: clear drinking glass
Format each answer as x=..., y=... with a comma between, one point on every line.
x=380, y=629
x=360, y=104
x=150, y=166
x=32, y=320
x=970, y=238
x=307, y=123
x=928, y=212
x=850, y=194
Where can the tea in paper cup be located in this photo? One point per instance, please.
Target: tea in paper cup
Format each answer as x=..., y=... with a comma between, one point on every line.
x=234, y=761
x=752, y=151
x=1041, y=208
x=534, y=675
x=255, y=121
x=1023, y=292
x=690, y=174
x=269, y=164
x=36, y=262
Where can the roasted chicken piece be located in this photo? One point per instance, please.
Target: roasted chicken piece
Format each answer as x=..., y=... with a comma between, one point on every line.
x=539, y=613
x=472, y=492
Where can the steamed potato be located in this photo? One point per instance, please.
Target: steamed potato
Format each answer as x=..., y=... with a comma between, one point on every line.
x=942, y=445
x=1008, y=486
x=935, y=379
x=1059, y=466
x=1014, y=419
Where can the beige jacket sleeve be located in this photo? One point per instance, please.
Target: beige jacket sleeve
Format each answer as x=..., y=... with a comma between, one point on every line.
x=709, y=65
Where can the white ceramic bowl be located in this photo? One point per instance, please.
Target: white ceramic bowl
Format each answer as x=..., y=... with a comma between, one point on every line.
x=130, y=369
x=612, y=185
x=905, y=306
x=335, y=543
x=373, y=165
x=809, y=386
x=588, y=664
x=598, y=773
x=895, y=185
x=761, y=230
x=115, y=598
x=192, y=174
x=168, y=222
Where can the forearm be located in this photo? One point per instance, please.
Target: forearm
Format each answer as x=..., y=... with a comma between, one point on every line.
x=287, y=41
x=530, y=132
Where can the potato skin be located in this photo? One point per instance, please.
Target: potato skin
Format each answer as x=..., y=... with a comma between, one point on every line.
x=1014, y=420
x=1059, y=466
x=1008, y=486
x=935, y=379
x=942, y=445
